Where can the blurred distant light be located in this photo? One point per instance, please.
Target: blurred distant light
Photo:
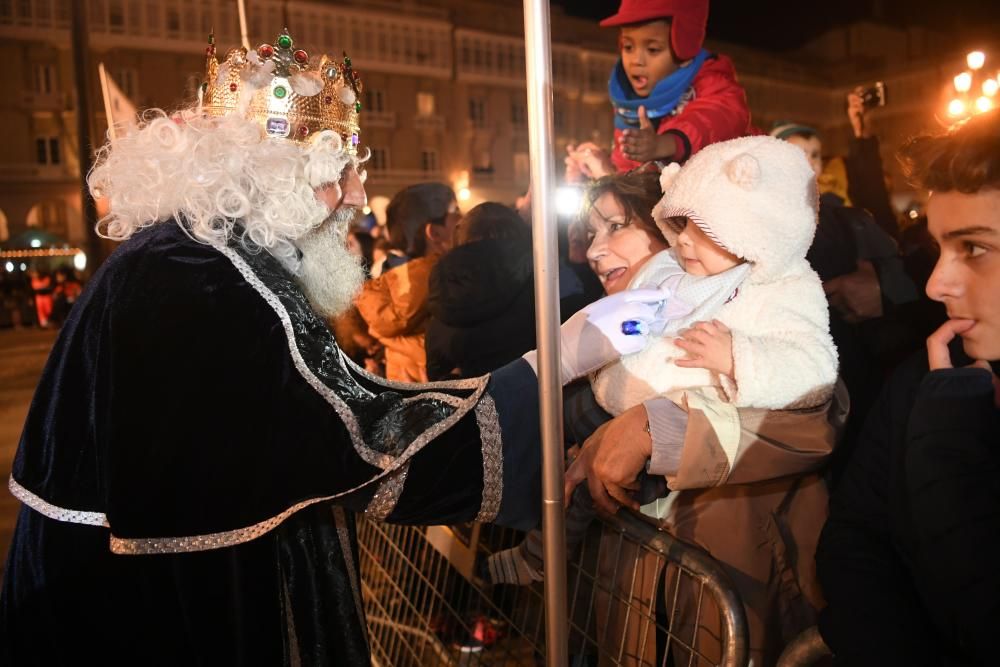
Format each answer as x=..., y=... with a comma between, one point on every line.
x=984, y=104
x=36, y=243
x=24, y=267
x=963, y=82
x=80, y=261
x=913, y=213
x=975, y=59
x=9, y=266
x=990, y=87
x=956, y=108
x=568, y=200
x=367, y=210
x=464, y=194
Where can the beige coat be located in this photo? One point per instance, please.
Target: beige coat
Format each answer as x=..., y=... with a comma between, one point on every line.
x=760, y=517
x=395, y=307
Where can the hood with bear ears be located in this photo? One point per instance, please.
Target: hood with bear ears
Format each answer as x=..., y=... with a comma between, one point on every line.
x=754, y=196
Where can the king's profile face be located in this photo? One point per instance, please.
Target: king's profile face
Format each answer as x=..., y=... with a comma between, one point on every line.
x=348, y=191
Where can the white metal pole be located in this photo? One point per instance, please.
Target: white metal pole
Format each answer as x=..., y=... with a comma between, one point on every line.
x=538, y=63
x=242, y=10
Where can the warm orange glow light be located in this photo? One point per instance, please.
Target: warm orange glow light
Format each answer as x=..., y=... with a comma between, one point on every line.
x=963, y=82
x=975, y=59
x=956, y=108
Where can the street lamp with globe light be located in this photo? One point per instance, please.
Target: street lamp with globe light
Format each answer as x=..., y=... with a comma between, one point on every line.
x=975, y=91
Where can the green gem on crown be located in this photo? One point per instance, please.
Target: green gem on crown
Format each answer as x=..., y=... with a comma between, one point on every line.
x=279, y=92
x=285, y=41
x=357, y=107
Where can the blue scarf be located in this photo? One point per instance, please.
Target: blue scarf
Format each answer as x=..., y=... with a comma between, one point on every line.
x=661, y=102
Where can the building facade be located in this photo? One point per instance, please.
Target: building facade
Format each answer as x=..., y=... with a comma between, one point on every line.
x=444, y=83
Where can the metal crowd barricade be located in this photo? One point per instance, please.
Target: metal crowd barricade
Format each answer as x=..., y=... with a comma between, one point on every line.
x=636, y=596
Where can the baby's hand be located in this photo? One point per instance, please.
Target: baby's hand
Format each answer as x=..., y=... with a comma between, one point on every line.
x=708, y=345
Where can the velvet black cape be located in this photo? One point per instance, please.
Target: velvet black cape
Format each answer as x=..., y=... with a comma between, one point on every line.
x=189, y=454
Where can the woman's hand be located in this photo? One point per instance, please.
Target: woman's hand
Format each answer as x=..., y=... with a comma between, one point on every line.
x=708, y=345
x=586, y=161
x=611, y=460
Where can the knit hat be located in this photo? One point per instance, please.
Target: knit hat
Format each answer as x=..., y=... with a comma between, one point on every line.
x=782, y=129
x=754, y=196
x=412, y=208
x=688, y=19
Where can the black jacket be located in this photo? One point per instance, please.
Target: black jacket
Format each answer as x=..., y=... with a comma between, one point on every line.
x=907, y=558
x=482, y=308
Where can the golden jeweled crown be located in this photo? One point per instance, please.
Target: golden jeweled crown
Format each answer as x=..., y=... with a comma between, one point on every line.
x=277, y=87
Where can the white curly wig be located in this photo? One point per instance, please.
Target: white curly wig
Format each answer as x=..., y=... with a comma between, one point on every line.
x=212, y=172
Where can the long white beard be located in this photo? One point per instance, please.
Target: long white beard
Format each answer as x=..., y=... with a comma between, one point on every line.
x=329, y=274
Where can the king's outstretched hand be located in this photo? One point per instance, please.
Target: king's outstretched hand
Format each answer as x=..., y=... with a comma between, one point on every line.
x=604, y=331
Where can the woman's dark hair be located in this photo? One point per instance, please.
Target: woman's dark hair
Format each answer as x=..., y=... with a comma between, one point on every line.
x=411, y=209
x=367, y=245
x=636, y=192
x=966, y=158
x=490, y=220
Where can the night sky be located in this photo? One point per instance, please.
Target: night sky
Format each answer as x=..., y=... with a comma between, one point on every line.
x=777, y=25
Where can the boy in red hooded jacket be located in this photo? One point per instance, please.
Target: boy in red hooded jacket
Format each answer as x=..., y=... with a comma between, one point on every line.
x=670, y=96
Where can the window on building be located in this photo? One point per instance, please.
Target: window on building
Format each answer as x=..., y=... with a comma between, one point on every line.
x=374, y=100
x=518, y=113
x=477, y=111
x=379, y=160
x=48, y=150
x=425, y=104
x=116, y=16
x=429, y=159
x=45, y=78
x=173, y=21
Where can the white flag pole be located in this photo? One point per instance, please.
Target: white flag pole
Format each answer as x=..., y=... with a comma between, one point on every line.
x=538, y=63
x=242, y=10
x=106, y=94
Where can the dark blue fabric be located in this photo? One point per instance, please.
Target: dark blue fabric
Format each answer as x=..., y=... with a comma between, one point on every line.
x=663, y=99
x=514, y=389
x=171, y=402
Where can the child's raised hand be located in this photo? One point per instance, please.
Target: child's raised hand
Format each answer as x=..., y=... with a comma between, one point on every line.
x=644, y=144
x=708, y=345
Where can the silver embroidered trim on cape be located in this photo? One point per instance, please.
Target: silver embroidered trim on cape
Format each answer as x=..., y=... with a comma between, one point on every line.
x=385, y=499
x=492, y=439
x=227, y=538
x=369, y=455
x=54, y=511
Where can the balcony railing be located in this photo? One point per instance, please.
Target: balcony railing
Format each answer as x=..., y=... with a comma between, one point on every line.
x=381, y=41
x=432, y=122
x=378, y=119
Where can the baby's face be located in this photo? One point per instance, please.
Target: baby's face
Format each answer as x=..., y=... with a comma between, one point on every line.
x=646, y=55
x=699, y=255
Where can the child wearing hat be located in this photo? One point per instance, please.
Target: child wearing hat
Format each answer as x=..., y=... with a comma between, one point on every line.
x=670, y=96
x=741, y=213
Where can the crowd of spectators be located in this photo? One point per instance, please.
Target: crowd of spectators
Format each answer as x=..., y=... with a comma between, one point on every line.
x=451, y=296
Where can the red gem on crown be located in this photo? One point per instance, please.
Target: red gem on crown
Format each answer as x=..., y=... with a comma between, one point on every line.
x=301, y=57
x=265, y=51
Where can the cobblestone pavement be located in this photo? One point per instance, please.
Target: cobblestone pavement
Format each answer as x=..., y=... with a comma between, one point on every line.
x=22, y=355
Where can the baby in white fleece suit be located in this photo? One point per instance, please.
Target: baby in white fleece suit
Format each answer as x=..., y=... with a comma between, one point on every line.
x=745, y=211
